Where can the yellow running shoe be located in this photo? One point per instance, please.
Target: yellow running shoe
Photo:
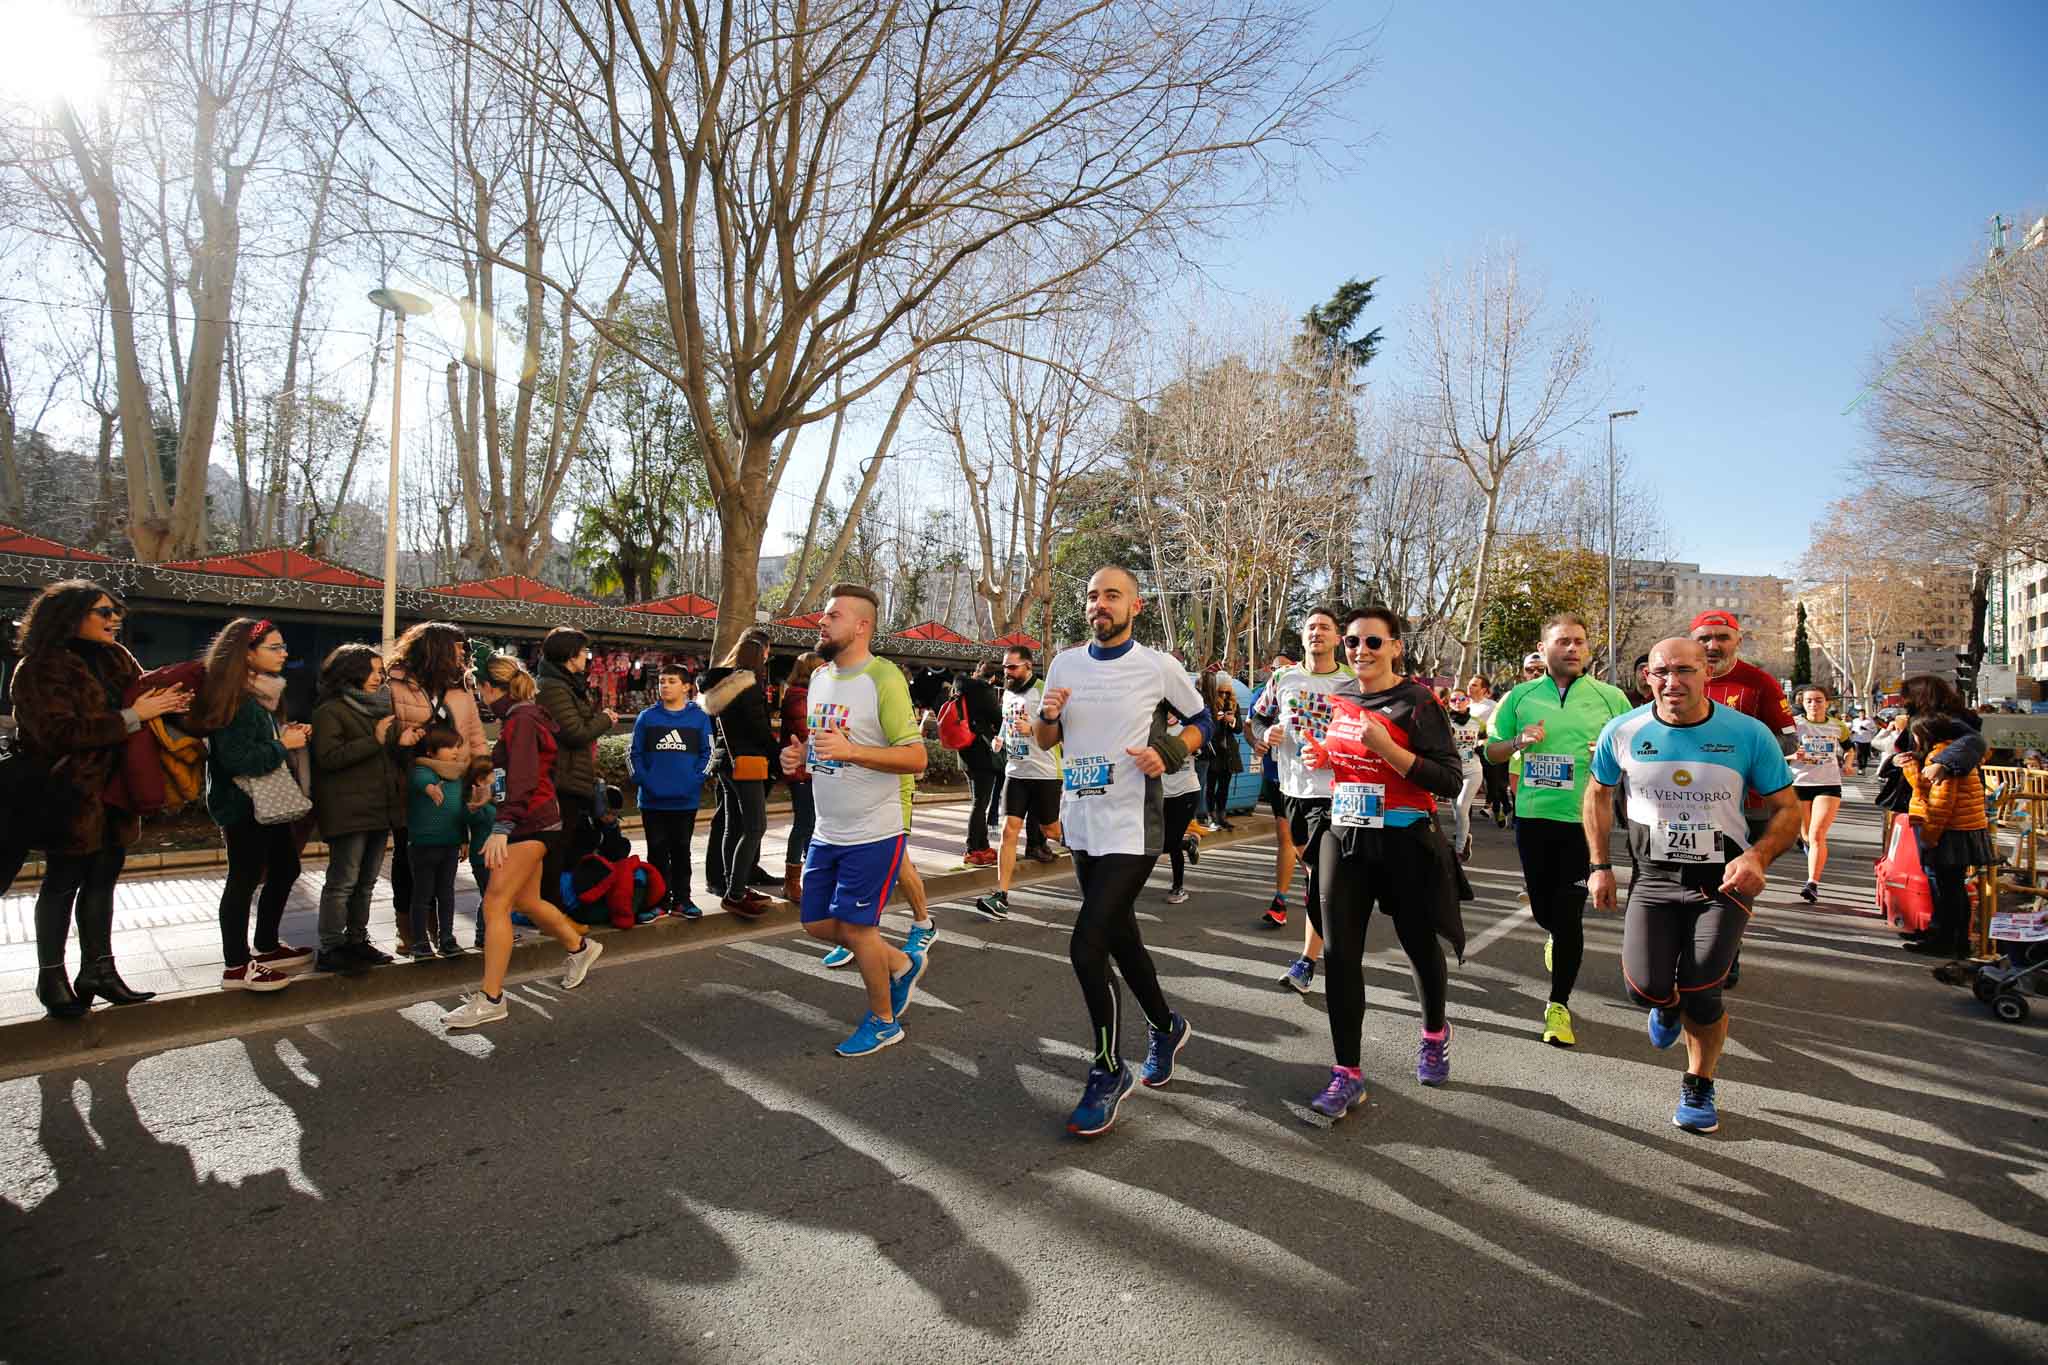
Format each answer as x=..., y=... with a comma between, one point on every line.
x=1546, y=953
x=1557, y=1026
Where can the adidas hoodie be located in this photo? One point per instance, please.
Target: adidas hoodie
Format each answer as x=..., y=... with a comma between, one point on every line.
x=668, y=753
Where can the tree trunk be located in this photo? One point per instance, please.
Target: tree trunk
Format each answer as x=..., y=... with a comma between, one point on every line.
x=1468, y=647
x=743, y=524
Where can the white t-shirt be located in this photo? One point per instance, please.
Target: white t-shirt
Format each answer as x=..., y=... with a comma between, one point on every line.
x=858, y=805
x=1106, y=804
x=1823, y=741
x=1469, y=736
x=1298, y=703
x=1482, y=709
x=1184, y=780
x=1020, y=747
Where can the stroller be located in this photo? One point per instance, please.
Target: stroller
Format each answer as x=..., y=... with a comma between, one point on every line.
x=2021, y=969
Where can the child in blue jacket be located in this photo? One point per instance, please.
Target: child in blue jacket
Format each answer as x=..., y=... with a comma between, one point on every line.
x=671, y=741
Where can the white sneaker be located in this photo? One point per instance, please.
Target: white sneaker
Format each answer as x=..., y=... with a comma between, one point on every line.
x=576, y=966
x=476, y=1008
x=254, y=977
x=1057, y=849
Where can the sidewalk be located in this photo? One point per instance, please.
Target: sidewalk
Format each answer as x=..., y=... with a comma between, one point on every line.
x=167, y=929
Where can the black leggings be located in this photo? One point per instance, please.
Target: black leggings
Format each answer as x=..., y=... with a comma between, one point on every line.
x=1107, y=928
x=266, y=855
x=981, y=774
x=84, y=880
x=1307, y=818
x=1219, y=791
x=746, y=819
x=1179, y=811
x=562, y=852
x=1677, y=944
x=1398, y=872
x=1554, y=868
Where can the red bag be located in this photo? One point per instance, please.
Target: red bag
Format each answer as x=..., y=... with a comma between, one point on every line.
x=1903, y=896
x=954, y=731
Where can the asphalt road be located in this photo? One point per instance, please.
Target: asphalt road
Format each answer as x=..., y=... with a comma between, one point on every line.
x=670, y=1164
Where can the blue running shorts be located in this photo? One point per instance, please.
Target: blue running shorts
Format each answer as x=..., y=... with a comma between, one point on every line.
x=851, y=883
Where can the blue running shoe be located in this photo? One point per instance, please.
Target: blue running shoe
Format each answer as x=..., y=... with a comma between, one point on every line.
x=1696, y=1111
x=1433, y=1059
x=872, y=1036
x=903, y=989
x=1164, y=1049
x=1344, y=1093
x=1100, y=1100
x=1663, y=1033
x=838, y=957
x=1301, y=975
x=921, y=936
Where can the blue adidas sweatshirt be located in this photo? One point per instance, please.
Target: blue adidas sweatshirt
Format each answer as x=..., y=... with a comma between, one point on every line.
x=668, y=753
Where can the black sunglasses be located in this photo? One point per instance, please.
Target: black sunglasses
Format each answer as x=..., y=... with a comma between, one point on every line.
x=107, y=613
x=1369, y=641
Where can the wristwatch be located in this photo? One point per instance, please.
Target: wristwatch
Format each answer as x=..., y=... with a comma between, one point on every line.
x=1044, y=719
x=1601, y=867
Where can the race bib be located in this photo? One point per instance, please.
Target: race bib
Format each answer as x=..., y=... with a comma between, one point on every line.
x=1358, y=805
x=1551, y=771
x=1818, y=748
x=1685, y=841
x=1019, y=749
x=1088, y=775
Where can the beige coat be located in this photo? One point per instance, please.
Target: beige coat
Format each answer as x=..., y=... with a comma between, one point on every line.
x=412, y=706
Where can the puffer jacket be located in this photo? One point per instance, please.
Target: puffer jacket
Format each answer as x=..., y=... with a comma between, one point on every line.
x=740, y=704
x=578, y=726
x=64, y=703
x=358, y=787
x=413, y=707
x=1957, y=804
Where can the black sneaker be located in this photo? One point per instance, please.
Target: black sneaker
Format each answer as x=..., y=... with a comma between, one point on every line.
x=763, y=877
x=1193, y=848
x=995, y=905
x=1810, y=893
x=367, y=954
x=450, y=948
x=337, y=960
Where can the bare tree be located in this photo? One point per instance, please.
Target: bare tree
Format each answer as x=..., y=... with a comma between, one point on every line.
x=1502, y=377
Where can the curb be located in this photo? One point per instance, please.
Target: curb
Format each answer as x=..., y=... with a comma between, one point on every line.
x=30, y=1046
x=172, y=862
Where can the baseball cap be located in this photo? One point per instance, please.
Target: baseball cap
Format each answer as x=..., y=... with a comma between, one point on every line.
x=1716, y=618
x=1532, y=660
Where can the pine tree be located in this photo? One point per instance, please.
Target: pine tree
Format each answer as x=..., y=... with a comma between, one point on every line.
x=1802, y=652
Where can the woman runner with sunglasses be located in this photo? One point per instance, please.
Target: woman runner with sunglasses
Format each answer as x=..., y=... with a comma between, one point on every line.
x=1390, y=753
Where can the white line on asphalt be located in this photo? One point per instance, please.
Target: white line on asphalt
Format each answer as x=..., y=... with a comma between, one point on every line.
x=426, y=1016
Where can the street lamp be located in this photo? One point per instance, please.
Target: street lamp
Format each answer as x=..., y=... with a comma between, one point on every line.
x=403, y=306
x=1613, y=664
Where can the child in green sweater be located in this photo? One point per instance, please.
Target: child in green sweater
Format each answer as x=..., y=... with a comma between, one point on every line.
x=437, y=826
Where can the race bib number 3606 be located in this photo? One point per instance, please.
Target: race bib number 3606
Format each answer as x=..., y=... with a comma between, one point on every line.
x=1552, y=771
x=1686, y=841
x=1088, y=774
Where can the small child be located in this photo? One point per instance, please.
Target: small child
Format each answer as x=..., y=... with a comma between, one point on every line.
x=437, y=823
x=482, y=813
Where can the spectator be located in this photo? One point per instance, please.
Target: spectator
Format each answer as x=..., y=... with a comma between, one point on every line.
x=796, y=722
x=437, y=821
x=671, y=744
x=737, y=701
x=1949, y=819
x=358, y=796
x=428, y=678
x=563, y=684
x=1862, y=733
x=984, y=709
x=528, y=822
x=239, y=708
x=67, y=702
x=1225, y=757
x=1638, y=689
x=714, y=852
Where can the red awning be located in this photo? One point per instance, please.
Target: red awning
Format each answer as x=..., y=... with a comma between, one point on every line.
x=1019, y=638
x=682, y=604
x=512, y=587
x=277, y=563
x=808, y=621
x=15, y=541
x=932, y=630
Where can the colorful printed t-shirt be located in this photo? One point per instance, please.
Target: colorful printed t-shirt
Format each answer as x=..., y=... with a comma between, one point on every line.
x=858, y=805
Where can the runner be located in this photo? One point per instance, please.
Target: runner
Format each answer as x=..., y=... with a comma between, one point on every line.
x=1468, y=732
x=1498, y=802
x=1031, y=788
x=1181, y=790
x=1689, y=764
x=1285, y=854
x=1294, y=707
x=1550, y=722
x=1746, y=688
x=1818, y=767
x=1863, y=734
x=864, y=753
x=1390, y=749
x=924, y=931
x=1107, y=705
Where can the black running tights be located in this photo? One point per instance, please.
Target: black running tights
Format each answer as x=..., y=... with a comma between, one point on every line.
x=1398, y=879
x=1106, y=929
x=1179, y=810
x=1554, y=868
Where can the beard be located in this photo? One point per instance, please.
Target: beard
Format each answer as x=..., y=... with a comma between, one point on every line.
x=1106, y=629
x=828, y=650
x=1019, y=687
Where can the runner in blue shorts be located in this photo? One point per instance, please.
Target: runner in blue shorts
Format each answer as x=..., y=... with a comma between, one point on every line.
x=863, y=751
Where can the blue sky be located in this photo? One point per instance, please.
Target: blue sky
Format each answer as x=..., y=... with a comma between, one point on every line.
x=1748, y=194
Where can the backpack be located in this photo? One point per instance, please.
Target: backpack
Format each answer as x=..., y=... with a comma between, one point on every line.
x=954, y=731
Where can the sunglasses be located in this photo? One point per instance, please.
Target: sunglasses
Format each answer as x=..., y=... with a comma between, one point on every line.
x=107, y=613
x=1368, y=641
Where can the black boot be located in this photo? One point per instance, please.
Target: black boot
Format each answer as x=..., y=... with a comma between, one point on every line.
x=59, y=1000
x=98, y=977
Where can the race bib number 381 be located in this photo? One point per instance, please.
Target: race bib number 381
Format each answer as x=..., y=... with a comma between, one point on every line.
x=1088, y=774
x=1546, y=770
x=1358, y=805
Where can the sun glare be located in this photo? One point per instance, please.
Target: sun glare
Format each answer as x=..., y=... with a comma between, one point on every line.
x=50, y=54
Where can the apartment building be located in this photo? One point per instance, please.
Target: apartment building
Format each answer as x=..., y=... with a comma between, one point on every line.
x=2026, y=616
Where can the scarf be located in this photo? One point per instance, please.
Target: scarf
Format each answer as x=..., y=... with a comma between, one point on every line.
x=579, y=683
x=445, y=768
x=268, y=690
x=375, y=705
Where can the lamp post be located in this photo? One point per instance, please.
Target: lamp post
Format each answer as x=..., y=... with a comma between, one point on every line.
x=402, y=305
x=1613, y=665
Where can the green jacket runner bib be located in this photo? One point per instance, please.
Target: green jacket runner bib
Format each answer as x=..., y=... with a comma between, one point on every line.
x=1553, y=780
